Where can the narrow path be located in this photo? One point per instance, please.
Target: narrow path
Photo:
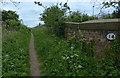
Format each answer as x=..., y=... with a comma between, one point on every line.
x=34, y=64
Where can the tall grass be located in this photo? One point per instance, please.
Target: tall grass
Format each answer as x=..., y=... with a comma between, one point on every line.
x=0, y=50
x=15, y=56
x=66, y=57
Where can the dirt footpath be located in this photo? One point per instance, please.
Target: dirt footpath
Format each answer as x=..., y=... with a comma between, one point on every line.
x=34, y=64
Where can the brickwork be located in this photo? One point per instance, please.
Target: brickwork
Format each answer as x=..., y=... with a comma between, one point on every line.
x=96, y=30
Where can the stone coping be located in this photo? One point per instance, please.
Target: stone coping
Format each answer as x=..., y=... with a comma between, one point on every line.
x=102, y=21
x=98, y=21
x=102, y=24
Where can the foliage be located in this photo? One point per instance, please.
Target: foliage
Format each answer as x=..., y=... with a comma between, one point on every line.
x=15, y=56
x=24, y=29
x=86, y=17
x=12, y=22
x=108, y=16
x=74, y=17
x=111, y=62
x=111, y=16
x=79, y=17
x=115, y=4
x=116, y=14
x=0, y=15
x=116, y=46
x=82, y=45
x=9, y=15
x=53, y=17
x=68, y=58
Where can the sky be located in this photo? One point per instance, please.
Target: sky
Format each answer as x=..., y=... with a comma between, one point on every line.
x=30, y=12
x=58, y=0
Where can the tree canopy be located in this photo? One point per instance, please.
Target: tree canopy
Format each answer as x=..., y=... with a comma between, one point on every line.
x=116, y=5
x=54, y=17
x=12, y=22
x=79, y=17
x=9, y=15
x=0, y=15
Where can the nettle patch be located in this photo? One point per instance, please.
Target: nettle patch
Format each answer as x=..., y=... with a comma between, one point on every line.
x=71, y=57
x=15, y=56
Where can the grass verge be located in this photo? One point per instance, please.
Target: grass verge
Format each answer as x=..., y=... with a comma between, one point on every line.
x=66, y=57
x=15, y=53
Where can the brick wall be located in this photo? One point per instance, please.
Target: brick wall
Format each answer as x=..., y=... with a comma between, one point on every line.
x=96, y=29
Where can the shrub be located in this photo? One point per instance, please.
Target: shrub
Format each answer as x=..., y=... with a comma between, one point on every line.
x=15, y=54
x=72, y=57
x=53, y=17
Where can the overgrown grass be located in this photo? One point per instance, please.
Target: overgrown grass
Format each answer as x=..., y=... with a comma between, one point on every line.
x=0, y=50
x=15, y=56
x=58, y=57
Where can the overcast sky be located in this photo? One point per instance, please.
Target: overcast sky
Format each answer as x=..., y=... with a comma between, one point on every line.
x=53, y=0
x=59, y=0
x=30, y=12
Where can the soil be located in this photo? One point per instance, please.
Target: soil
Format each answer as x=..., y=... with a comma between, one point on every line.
x=34, y=64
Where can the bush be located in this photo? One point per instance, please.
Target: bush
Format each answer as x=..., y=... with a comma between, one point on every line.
x=12, y=24
x=79, y=17
x=15, y=54
x=53, y=17
x=71, y=57
x=11, y=21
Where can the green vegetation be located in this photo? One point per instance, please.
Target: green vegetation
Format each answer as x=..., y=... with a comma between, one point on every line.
x=0, y=15
x=58, y=56
x=111, y=16
x=15, y=46
x=55, y=16
x=11, y=20
x=0, y=49
x=79, y=17
x=71, y=57
x=15, y=54
x=116, y=5
x=9, y=15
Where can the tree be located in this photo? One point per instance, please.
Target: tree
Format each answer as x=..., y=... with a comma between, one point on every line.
x=115, y=4
x=74, y=17
x=116, y=14
x=54, y=17
x=0, y=15
x=107, y=16
x=11, y=19
x=9, y=15
x=79, y=17
x=12, y=24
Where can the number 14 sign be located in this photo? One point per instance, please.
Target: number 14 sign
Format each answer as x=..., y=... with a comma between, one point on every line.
x=111, y=36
